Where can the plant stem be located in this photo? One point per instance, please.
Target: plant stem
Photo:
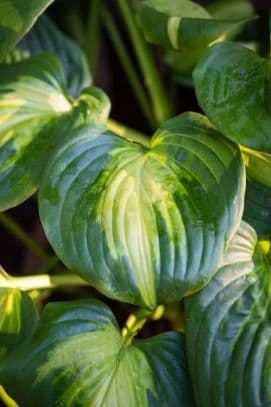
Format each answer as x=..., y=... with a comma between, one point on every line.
x=161, y=105
x=128, y=67
x=41, y=281
x=17, y=231
x=7, y=400
x=92, y=34
x=136, y=321
x=128, y=133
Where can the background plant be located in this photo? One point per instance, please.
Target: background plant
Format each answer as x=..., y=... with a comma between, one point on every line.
x=154, y=222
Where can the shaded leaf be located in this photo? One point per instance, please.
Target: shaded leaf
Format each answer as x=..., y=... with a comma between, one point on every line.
x=16, y=17
x=229, y=326
x=33, y=102
x=257, y=210
x=233, y=88
x=182, y=24
x=79, y=358
x=144, y=226
x=45, y=36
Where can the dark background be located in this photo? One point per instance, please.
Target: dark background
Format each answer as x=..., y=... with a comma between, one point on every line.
x=15, y=258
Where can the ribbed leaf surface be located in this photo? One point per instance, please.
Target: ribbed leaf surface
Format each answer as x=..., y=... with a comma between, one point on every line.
x=144, y=226
x=45, y=36
x=233, y=88
x=16, y=17
x=229, y=329
x=33, y=100
x=79, y=358
x=18, y=319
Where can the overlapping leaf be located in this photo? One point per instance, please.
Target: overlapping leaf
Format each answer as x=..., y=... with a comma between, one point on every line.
x=144, y=226
x=233, y=88
x=181, y=24
x=257, y=210
x=79, y=358
x=18, y=319
x=45, y=36
x=16, y=17
x=33, y=101
x=229, y=328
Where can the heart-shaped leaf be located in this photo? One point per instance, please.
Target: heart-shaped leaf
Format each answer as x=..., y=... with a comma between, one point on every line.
x=182, y=24
x=16, y=17
x=233, y=87
x=45, y=36
x=18, y=318
x=33, y=102
x=258, y=165
x=143, y=225
x=229, y=328
x=79, y=358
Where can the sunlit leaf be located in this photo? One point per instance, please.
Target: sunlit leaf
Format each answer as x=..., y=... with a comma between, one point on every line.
x=144, y=226
x=18, y=319
x=233, y=88
x=229, y=328
x=79, y=358
x=33, y=103
x=16, y=17
x=45, y=36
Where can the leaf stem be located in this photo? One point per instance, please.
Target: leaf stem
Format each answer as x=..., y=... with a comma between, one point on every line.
x=136, y=321
x=160, y=101
x=17, y=231
x=7, y=400
x=128, y=133
x=128, y=67
x=92, y=34
x=40, y=282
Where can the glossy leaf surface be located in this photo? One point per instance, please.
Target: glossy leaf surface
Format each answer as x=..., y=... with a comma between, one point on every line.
x=229, y=328
x=33, y=100
x=18, y=319
x=233, y=88
x=79, y=358
x=16, y=17
x=181, y=24
x=144, y=226
x=45, y=36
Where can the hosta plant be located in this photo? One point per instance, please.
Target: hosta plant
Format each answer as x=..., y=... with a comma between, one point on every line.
x=174, y=225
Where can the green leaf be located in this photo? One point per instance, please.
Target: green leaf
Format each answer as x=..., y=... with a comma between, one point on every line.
x=79, y=358
x=229, y=328
x=33, y=104
x=18, y=319
x=257, y=210
x=233, y=88
x=258, y=165
x=182, y=24
x=16, y=18
x=45, y=36
x=144, y=226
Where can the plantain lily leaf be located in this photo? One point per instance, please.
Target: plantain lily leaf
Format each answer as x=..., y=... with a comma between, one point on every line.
x=45, y=36
x=33, y=102
x=16, y=17
x=258, y=207
x=229, y=328
x=18, y=319
x=233, y=88
x=79, y=358
x=258, y=165
x=232, y=9
x=182, y=24
x=143, y=225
